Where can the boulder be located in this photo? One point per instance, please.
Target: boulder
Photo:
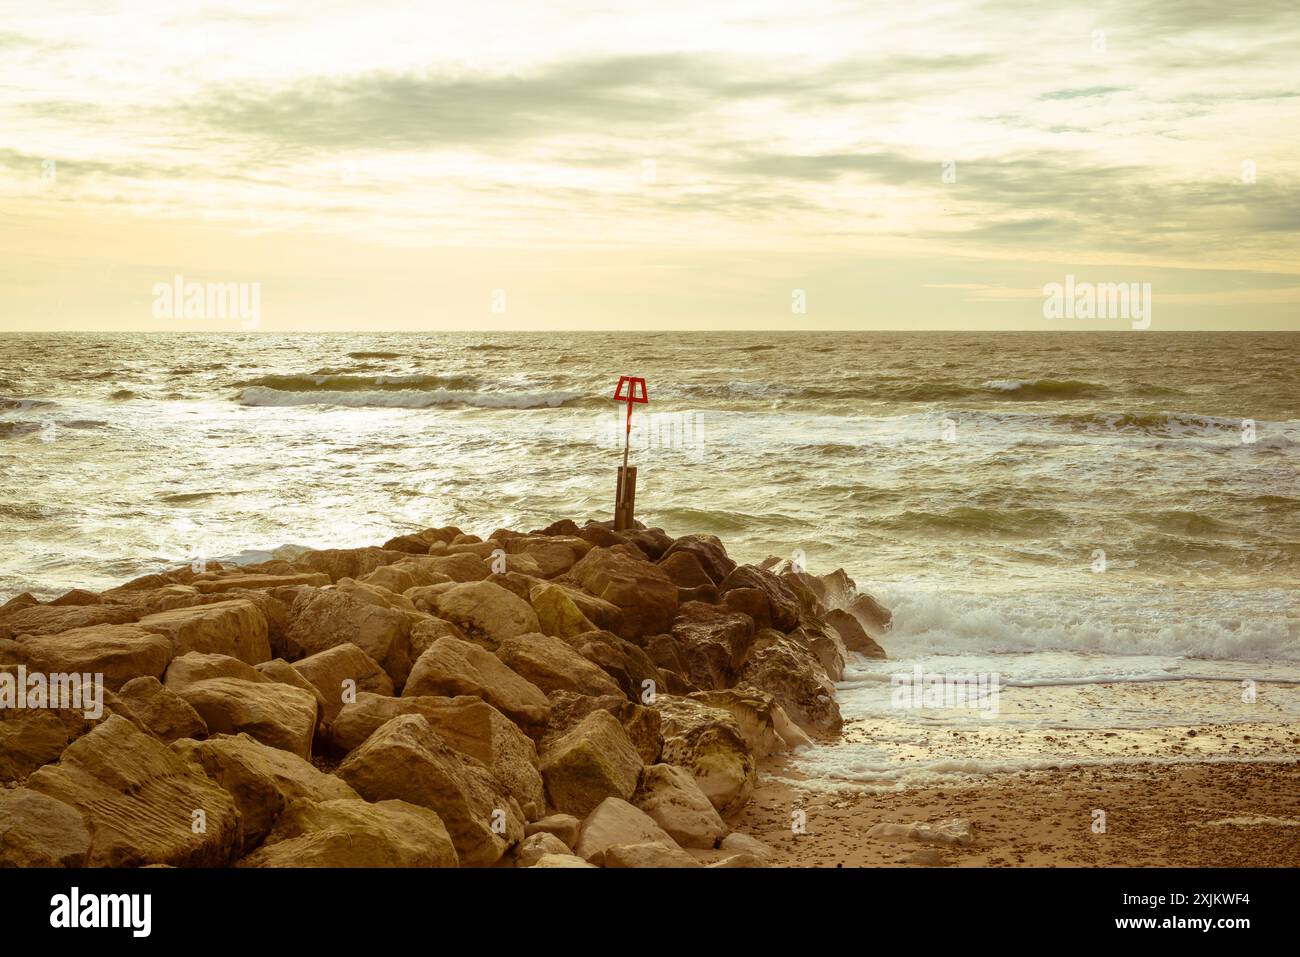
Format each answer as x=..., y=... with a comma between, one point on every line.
x=653, y=541
x=262, y=780
x=162, y=710
x=780, y=606
x=348, y=832
x=552, y=557
x=37, y=830
x=615, y=822
x=407, y=760
x=31, y=737
x=645, y=596
x=537, y=846
x=713, y=642
x=451, y=667
x=256, y=582
x=590, y=762
x=118, y=652
x=708, y=551
x=235, y=628
x=279, y=670
x=738, y=842
x=340, y=672
x=640, y=722
x=552, y=665
x=557, y=614
x=563, y=826
x=470, y=725
x=276, y=714
x=51, y=619
x=460, y=567
x=794, y=677
x=685, y=570
x=352, y=563
x=825, y=643
x=648, y=854
x=195, y=667
x=77, y=596
x=630, y=666
x=486, y=612
x=326, y=617
x=428, y=630
x=670, y=796
x=139, y=800
x=561, y=860
x=766, y=727
x=851, y=632
x=707, y=742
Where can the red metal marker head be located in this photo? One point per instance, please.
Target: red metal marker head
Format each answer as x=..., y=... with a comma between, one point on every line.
x=627, y=390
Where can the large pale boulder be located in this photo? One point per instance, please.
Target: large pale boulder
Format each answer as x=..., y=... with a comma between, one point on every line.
x=468, y=724
x=563, y=826
x=352, y=563
x=262, y=780
x=765, y=725
x=348, y=832
x=670, y=796
x=51, y=619
x=407, y=760
x=537, y=846
x=340, y=672
x=118, y=652
x=162, y=710
x=236, y=628
x=37, y=830
x=639, y=721
x=452, y=667
x=648, y=854
x=255, y=581
x=560, y=860
x=644, y=594
x=592, y=761
x=278, y=715
x=552, y=557
x=557, y=613
x=195, y=667
x=795, y=678
x=707, y=742
x=552, y=665
x=139, y=800
x=326, y=617
x=615, y=822
x=486, y=612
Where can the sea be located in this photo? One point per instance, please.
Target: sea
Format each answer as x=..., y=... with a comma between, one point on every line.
x=1081, y=514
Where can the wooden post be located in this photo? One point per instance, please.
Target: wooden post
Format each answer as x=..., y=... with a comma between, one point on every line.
x=625, y=490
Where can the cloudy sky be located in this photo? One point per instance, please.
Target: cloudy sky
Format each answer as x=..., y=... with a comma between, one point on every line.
x=390, y=165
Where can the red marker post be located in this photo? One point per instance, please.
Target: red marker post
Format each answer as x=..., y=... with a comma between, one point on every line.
x=631, y=390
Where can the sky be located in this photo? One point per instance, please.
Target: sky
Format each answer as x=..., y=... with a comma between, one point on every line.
x=667, y=165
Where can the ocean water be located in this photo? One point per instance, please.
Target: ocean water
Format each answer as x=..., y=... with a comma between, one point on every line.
x=1127, y=500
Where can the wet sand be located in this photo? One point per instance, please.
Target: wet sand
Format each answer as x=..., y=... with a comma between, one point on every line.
x=1227, y=814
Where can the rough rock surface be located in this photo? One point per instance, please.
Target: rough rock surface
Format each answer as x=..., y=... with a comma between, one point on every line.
x=236, y=628
x=707, y=742
x=670, y=796
x=452, y=667
x=275, y=714
x=138, y=800
x=552, y=665
x=615, y=822
x=349, y=832
x=407, y=760
x=591, y=762
x=162, y=710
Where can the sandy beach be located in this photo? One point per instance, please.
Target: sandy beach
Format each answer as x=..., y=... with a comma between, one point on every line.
x=1192, y=815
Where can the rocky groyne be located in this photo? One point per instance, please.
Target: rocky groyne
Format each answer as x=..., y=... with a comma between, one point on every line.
x=566, y=697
